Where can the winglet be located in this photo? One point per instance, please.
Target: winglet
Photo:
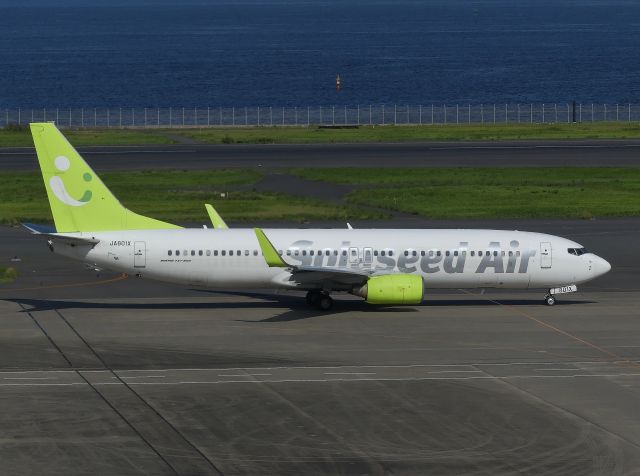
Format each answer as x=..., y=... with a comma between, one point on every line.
x=271, y=256
x=216, y=219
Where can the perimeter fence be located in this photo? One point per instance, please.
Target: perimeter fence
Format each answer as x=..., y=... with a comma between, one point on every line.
x=395, y=114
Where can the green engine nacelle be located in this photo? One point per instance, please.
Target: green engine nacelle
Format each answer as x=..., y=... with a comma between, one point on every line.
x=392, y=289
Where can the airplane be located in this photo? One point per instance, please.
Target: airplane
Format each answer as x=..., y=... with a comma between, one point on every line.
x=383, y=266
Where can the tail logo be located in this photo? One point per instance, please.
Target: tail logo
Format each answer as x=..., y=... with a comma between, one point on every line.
x=58, y=188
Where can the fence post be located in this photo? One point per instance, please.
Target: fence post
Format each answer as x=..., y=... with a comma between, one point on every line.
x=308, y=116
x=158, y=115
x=333, y=115
x=420, y=121
x=408, y=115
x=481, y=113
x=543, y=113
x=183, y=117
x=246, y=116
x=383, y=114
x=445, y=113
x=258, y=116
x=518, y=112
x=469, y=114
x=592, y=112
x=208, y=115
x=95, y=117
x=133, y=116
x=494, y=113
x=283, y=115
x=70, y=119
x=145, y=117
x=233, y=116
x=617, y=112
x=19, y=119
x=395, y=114
x=358, y=114
x=295, y=112
x=220, y=116
x=120, y=121
x=108, y=118
x=629, y=112
x=370, y=122
x=170, y=116
x=605, y=112
x=432, y=114
x=345, y=114
x=506, y=114
x=195, y=113
x=555, y=110
x=271, y=115
x=531, y=109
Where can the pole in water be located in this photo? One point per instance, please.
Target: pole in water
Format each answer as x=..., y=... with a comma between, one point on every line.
x=338, y=83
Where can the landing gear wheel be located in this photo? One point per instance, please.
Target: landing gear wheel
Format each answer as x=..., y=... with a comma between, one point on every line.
x=549, y=300
x=325, y=302
x=313, y=297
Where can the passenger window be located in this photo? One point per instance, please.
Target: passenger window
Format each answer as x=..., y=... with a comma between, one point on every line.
x=422, y=253
x=199, y=252
x=382, y=253
x=430, y=252
x=239, y=253
x=502, y=253
x=310, y=252
x=193, y=252
x=406, y=253
x=455, y=253
x=255, y=252
x=335, y=252
x=185, y=252
x=208, y=252
x=517, y=253
x=375, y=252
x=246, y=252
x=439, y=253
x=224, y=252
x=215, y=252
x=390, y=252
x=230, y=252
x=296, y=252
x=414, y=253
x=495, y=253
x=328, y=252
x=447, y=253
x=344, y=252
x=169, y=253
x=510, y=253
x=288, y=252
x=177, y=252
x=473, y=253
x=304, y=252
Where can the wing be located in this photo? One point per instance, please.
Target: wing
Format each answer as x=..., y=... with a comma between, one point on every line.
x=322, y=276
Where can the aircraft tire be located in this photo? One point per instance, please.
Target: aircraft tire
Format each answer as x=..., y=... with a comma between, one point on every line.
x=549, y=300
x=325, y=302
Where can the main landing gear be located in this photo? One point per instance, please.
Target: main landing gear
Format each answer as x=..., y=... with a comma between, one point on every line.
x=319, y=299
x=549, y=299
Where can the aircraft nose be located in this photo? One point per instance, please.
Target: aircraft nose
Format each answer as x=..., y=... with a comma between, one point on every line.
x=600, y=266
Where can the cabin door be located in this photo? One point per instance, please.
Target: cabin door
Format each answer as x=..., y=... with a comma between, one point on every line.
x=545, y=254
x=139, y=254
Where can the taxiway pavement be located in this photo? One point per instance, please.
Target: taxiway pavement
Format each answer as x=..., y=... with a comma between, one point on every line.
x=101, y=374
x=595, y=153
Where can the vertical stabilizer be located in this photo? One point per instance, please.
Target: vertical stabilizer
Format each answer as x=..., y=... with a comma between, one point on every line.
x=79, y=200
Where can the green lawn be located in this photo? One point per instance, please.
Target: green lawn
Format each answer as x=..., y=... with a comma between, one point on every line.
x=177, y=196
x=20, y=136
x=598, y=130
x=492, y=192
x=7, y=275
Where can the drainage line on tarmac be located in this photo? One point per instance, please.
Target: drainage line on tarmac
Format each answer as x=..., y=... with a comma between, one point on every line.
x=95, y=389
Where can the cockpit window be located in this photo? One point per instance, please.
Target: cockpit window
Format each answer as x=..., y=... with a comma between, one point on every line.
x=577, y=251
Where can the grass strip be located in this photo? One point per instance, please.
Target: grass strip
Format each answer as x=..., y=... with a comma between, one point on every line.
x=178, y=196
x=7, y=275
x=454, y=132
x=569, y=192
x=19, y=136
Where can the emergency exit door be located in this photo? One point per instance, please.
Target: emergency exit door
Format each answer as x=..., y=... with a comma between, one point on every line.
x=139, y=254
x=545, y=254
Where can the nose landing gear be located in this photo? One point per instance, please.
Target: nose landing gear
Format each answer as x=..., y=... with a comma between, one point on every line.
x=549, y=299
x=319, y=299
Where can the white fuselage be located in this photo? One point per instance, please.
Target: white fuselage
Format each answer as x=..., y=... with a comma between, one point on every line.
x=231, y=258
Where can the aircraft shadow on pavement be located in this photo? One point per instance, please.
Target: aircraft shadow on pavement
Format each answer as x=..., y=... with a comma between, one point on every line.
x=298, y=309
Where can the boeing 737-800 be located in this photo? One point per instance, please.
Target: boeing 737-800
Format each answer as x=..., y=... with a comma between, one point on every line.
x=391, y=267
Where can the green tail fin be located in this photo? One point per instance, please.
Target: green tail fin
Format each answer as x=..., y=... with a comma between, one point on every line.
x=79, y=200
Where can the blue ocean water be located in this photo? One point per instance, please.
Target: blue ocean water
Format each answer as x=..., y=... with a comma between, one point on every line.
x=284, y=53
